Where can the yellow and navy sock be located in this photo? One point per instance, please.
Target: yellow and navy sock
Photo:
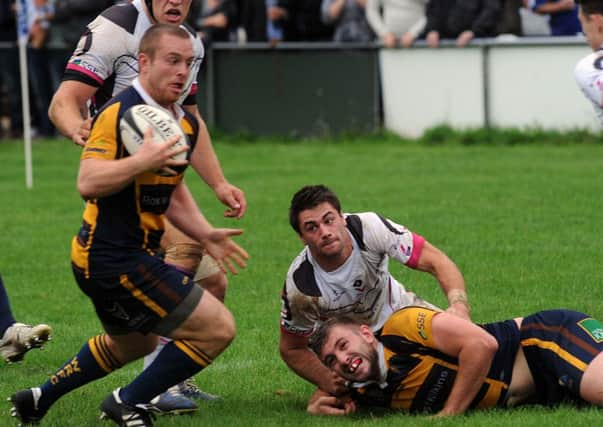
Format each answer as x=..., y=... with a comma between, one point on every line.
x=178, y=361
x=93, y=361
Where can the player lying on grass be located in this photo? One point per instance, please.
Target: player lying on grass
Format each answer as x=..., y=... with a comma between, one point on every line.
x=424, y=361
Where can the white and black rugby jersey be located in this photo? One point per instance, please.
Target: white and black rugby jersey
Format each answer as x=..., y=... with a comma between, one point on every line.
x=589, y=76
x=107, y=54
x=361, y=288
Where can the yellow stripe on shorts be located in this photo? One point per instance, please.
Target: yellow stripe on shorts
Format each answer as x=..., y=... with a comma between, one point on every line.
x=139, y=295
x=554, y=347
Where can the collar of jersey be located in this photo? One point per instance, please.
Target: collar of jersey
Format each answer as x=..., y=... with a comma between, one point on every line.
x=147, y=99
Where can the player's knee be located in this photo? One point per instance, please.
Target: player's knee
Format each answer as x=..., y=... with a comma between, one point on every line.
x=226, y=333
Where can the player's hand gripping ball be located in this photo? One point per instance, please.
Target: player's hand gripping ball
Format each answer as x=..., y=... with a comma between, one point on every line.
x=137, y=119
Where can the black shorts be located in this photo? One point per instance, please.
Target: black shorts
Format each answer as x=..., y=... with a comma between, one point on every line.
x=559, y=345
x=150, y=297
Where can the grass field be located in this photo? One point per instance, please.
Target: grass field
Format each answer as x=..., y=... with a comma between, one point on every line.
x=522, y=222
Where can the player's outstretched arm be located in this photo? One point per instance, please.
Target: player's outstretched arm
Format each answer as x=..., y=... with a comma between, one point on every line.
x=68, y=111
x=449, y=276
x=184, y=213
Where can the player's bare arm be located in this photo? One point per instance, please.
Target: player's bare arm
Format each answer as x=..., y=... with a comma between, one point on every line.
x=100, y=177
x=184, y=213
x=475, y=349
x=304, y=362
x=449, y=276
x=205, y=162
x=68, y=112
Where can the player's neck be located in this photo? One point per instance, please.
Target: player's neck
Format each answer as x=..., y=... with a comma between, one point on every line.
x=333, y=262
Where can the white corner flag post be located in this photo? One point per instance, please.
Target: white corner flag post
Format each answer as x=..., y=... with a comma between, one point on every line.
x=22, y=36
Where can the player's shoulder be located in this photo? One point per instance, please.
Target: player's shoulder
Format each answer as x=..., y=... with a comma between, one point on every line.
x=369, y=225
x=192, y=120
x=197, y=42
x=301, y=277
x=126, y=99
x=413, y=319
x=591, y=63
x=123, y=15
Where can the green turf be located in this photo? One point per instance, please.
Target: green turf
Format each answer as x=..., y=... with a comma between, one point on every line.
x=521, y=221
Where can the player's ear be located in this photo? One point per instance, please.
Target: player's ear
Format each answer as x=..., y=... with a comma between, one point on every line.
x=366, y=333
x=143, y=60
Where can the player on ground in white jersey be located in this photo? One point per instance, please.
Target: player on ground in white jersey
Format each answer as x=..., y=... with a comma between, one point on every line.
x=103, y=64
x=343, y=270
x=589, y=71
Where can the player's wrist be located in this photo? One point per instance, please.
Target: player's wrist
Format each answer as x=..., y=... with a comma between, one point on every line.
x=458, y=297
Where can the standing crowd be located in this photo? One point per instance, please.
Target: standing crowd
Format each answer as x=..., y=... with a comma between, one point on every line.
x=56, y=27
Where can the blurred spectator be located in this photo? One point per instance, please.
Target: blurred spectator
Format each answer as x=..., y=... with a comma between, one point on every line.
x=252, y=19
x=71, y=17
x=216, y=21
x=349, y=19
x=68, y=22
x=275, y=16
x=533, y=24
x=563, y=15
x=300, y=20
x=510, y=19
x=10, y=76
x=461, y=20
x=396, y=20
x=39, y=12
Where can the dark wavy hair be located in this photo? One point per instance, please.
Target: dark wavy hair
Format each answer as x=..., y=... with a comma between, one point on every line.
x=309, y=197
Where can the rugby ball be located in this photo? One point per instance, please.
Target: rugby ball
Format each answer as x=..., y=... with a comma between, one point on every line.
x=137, y=119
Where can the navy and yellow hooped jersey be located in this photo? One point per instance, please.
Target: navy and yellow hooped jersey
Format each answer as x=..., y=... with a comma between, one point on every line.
x=130, y=220
x=420, y=378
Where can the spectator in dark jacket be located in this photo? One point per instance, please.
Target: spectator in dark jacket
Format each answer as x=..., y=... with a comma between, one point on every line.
x=301, y=20
x=252, y=19
x=462, y=20
x=216, y=20
x=563, y=15
x=10, y=77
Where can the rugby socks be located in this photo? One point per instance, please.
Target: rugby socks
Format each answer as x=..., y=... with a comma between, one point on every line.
x=178, y=361
x=93, y=361
x=6, y=316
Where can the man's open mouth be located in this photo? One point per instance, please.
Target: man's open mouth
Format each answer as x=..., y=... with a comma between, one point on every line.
x=354, y=364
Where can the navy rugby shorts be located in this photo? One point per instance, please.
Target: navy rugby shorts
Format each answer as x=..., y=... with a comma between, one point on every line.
x=559, y=345
x=151, y=296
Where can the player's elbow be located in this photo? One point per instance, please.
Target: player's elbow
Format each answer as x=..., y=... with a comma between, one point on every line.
x=284, y=351
x=488, y=345
x=86, y=190
x=86, y=186
x=55, y=107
